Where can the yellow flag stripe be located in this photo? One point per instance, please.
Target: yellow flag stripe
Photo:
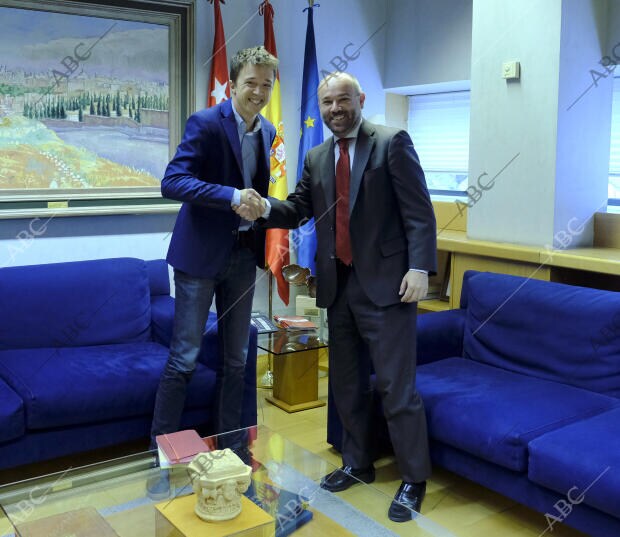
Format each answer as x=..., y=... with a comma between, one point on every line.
x=278, y=187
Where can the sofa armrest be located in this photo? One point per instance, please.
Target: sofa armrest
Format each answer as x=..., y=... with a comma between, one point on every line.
x=162, y=319
x=159, y=279
x=440, y=335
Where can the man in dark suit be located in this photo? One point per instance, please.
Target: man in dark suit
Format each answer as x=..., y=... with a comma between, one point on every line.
x=376, y=245
x=221, y=163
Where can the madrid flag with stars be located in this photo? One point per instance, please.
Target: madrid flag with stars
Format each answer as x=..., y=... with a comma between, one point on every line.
x=218, y=81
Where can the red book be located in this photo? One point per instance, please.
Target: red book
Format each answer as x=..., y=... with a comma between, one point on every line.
x=182, y=446
x=294, y=322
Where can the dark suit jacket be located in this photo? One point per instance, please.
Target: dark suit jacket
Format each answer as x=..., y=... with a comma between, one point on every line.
x=392, y=222
x=203, y=174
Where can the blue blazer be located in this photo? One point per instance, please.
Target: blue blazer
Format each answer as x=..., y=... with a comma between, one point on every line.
x=203, y=174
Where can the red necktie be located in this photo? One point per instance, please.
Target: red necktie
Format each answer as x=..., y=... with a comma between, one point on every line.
x=343, y=176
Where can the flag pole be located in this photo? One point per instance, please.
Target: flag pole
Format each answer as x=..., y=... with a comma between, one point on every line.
x=270, y=300
x=266, y=380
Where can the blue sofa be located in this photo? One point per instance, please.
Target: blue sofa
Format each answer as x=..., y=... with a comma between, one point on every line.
x=82, y=348
x=521, y=387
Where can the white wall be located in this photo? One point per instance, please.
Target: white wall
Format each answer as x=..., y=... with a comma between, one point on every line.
x=428, y=42
x=34, y=241
x=560, y=174
x=510, y=118
x=584, y=124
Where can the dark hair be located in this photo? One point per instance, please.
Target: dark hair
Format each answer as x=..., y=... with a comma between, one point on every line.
x=252, y=56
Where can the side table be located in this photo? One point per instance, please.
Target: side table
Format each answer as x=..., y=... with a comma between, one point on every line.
x=295, y=368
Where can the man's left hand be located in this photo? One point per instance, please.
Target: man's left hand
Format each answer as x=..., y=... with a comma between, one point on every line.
x=414, y=286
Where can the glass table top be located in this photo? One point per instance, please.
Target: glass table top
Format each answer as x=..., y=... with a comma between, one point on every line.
x=289, y=341
x=110, y=498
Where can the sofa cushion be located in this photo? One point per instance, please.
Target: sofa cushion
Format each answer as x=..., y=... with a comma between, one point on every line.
x=553, y=331
x=77, y=385
x=75, y=304
x=584, y=457
x=493, y=413
x=12, y=419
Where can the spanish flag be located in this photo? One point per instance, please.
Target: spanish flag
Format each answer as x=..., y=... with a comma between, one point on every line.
x=277, y=244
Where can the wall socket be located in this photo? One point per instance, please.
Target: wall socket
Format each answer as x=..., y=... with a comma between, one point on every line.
x=511, y=70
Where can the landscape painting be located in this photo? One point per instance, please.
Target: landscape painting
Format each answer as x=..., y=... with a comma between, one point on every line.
x=84, y=102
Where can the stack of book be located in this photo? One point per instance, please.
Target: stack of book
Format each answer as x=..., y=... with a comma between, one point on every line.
x=294, y=322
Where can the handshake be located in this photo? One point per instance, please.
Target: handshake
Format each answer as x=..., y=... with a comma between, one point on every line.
x=252, y=205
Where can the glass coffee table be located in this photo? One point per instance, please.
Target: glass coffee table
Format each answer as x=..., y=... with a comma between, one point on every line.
x=110, y=499
x=295, y=368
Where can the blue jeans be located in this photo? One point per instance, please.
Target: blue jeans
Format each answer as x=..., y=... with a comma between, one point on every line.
x=233, y=288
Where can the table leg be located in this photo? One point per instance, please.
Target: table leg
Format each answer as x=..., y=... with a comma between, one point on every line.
x=296, y=381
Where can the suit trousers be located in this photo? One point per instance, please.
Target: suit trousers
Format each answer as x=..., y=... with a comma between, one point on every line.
x=360, y=334
x=233, y=288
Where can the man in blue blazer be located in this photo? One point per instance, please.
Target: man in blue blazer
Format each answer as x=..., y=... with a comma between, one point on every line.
x=221, y=163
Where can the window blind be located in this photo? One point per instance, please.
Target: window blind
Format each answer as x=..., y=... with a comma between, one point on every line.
x=439, y=127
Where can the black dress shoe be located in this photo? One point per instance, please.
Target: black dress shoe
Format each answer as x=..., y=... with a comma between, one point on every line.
x=345, y=477
x=408, y=498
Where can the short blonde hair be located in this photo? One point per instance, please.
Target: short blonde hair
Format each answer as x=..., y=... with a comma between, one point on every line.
x=252, y=56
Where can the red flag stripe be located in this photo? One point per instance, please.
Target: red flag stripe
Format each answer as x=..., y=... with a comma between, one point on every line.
x=219, y=89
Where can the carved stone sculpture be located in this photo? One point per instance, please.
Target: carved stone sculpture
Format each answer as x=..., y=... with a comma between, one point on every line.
x=219, y=478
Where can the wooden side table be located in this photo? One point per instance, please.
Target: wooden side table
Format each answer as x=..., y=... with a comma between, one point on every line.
x=295, y=368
